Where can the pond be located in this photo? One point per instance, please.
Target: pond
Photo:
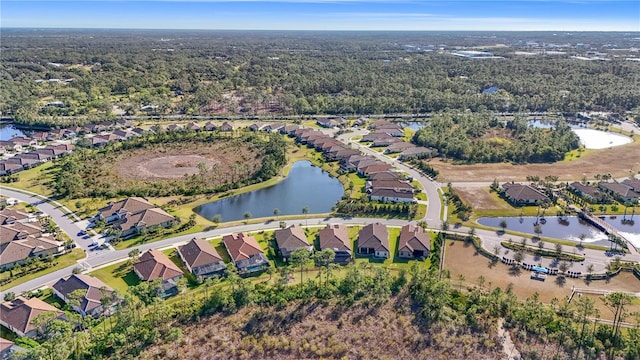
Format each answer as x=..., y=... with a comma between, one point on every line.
x=597, y=139
x=568, y=228
x=589, y=138
x=305, y=186
x=415, y=125
x=7, y=131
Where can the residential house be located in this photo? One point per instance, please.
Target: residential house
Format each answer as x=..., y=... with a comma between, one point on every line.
x=8, y=348
x=385, y=176
x=193, y=126
x=152, y=265
x=174, y=127
x=390, y=195
x=98, y=298
x=373, y=239
x=415, y=152
x=143, y=221
x=372, y=169
x=257, y=126
x=330, y=122
x=226, y=126
x=18, y=251
x=633, y=184
x=386, y=141
x=117, y=210
x=289, y=129
x=209, y=126
x=291, y=239
x=274, y=128
x=398, y=147
x=621, y=192
x=519, y=194
x=9, y=216
x=414, y=243
x=201, y=259
x=20, y=314
x=590, y=193
x=336, y=238
x=246, y=253
x=397, y=185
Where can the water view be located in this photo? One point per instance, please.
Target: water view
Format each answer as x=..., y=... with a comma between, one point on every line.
x=7, y=131
x=596, y=139
x=306, y=186
x=415, y=125
x=568, y=228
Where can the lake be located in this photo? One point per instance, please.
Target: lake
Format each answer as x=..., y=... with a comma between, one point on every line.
x=597, y=139
x=305, y=186
x=7, y=131
x=571, y=229
x=589, y=138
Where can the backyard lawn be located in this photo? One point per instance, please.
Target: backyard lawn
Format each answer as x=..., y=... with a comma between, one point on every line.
x=119, y=276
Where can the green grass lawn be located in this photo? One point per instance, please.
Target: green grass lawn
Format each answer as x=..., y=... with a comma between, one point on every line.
x=119, y=276
x=62, y=262
x=36, y=179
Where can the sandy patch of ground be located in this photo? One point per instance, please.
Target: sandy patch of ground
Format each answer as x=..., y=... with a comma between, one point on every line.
x=221, y=161
x=615, y=161
x=461, y=258
x=172, y=167
x=481, y=198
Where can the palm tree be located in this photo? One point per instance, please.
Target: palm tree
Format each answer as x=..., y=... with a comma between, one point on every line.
x=558, y=250
x=503, y=225
x=247, y=215
x=305, y=211
x=276, y=211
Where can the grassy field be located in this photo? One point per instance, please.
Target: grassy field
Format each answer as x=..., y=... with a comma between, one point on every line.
x=35, y=179
x=62, y=262
x=119, y=276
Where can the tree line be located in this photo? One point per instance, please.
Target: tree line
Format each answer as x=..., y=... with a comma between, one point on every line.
x=561, y=329
x=482, y=138
x=292, y=74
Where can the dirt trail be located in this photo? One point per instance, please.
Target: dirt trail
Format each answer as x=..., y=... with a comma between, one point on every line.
x=509, y=349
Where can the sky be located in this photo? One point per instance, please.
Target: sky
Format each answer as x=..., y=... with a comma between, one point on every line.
x=400, y=15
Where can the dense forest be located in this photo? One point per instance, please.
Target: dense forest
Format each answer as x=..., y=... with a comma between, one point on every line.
x=100, y=73
x=370, y=312
x=483, y=138
x=233, y=162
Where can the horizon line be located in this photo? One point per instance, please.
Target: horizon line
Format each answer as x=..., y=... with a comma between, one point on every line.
x=311, y=30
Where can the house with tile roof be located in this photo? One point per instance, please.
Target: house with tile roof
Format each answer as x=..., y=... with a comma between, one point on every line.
x=119, y=209
x=246, y=254
x=20, y=315
x=414, y=242
x=95, y=294
x=152, y=265
x=290, y=240
x=143, y=221
x=519, y=194
x=201, y=259
x=373, y=239
x=336, y=238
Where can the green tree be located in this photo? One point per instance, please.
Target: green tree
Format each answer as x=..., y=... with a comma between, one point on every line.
x=299, y=257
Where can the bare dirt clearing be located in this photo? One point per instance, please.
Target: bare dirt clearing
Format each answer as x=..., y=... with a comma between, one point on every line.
x=615, y=161
x=219, y=161
x=481, y=198
x=462, y=259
